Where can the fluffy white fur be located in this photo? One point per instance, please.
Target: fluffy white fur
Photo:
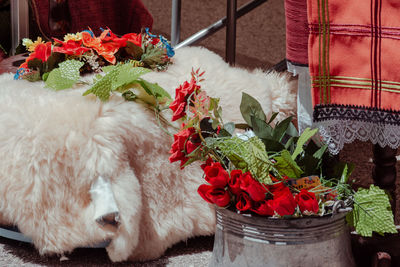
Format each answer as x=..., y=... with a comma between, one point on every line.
x=53, y=145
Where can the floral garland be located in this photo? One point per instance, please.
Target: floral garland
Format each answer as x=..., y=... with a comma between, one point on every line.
x=146, y=49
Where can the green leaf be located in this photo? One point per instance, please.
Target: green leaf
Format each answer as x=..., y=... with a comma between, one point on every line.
x=272, y=145
x=273, y=116
x=249, y=106
x=129, y=96
x=320, y=152
x=291, y=130
x=372, y=212
x=261, y=128
x=127, y=74
x=36, y=64
x=153, y=56
x=65, y=76
x=285, y=165
x=304, y=137
x=247, y=155
x=135, y=51
x=281, y=128
x=154, y=89
x=33, y=76
x=229, y=127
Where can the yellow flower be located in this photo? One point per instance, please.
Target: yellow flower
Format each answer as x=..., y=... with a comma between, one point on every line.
x=74, y=37
x=27, y=42
x=30, y=46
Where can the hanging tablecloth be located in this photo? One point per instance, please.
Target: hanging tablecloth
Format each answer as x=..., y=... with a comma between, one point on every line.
x=354, y=59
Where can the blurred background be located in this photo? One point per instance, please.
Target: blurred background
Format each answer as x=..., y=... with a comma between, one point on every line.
x=260, y=35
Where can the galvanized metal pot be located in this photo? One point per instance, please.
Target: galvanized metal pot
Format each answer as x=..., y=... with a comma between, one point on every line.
x=259, y=241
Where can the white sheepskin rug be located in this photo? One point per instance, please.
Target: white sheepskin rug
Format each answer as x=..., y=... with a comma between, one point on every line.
x=54, y=146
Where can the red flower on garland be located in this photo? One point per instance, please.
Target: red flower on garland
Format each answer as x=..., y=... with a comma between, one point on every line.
x=182, y=93
x=185, y=142
x=70, y=47
x=214, y=195
x=216, y=175
x=42, y=52
x=307, y=201
x=134, y=38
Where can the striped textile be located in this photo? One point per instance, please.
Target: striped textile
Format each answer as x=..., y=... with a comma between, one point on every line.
x=354, y=61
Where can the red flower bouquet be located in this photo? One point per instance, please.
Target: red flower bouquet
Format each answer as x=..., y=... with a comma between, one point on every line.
x=264, y=169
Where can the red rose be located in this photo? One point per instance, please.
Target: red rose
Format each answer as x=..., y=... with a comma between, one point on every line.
x=234, y=181
x=178, y=106
x=214, y=195
x=283, y=204
x=207, y=163
x=183, y=143
x=216, y=175
x=252, y=187
x=307, y=201
x=262, y=208
x=243, y=202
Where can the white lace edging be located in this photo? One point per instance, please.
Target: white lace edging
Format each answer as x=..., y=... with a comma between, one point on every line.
x=336, y=133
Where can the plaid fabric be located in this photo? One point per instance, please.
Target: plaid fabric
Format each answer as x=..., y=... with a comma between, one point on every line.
x=354, y=58
x=122, y=16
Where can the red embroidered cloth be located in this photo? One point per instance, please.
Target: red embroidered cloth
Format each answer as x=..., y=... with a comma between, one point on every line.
x=354, y=57
x=122, y=16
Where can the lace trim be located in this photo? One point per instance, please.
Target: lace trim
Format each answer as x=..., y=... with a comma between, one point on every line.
x=356, y=113
x=338, y=132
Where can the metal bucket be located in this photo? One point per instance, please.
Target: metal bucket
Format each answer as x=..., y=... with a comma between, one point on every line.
x=259, y=241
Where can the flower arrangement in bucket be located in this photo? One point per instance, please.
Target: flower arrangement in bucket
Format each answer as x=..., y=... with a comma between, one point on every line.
x=263, y=168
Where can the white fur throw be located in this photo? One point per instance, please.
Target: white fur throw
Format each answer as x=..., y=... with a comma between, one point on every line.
x=53, y=145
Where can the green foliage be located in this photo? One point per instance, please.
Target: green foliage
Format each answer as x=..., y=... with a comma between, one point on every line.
x=120, y=78
x=247, y=155
x=250, y=107
x=153, y=56
x=133, y=50
x=305, y=136
x=372, y=212
x=285, y=165
x=65, y=76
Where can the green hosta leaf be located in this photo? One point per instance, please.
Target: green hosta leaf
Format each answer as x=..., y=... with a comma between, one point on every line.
x=372, y=212
x=65, y=76
x=248, y=155
x=117, y=78
x=126, y=75
x=285, y=165
x=249, y=106
x=304, y=137
x=154, y=89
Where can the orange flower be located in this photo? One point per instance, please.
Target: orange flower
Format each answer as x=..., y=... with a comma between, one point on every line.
x=104, y=49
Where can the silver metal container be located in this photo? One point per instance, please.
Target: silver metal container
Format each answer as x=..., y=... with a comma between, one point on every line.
x=259, y=241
